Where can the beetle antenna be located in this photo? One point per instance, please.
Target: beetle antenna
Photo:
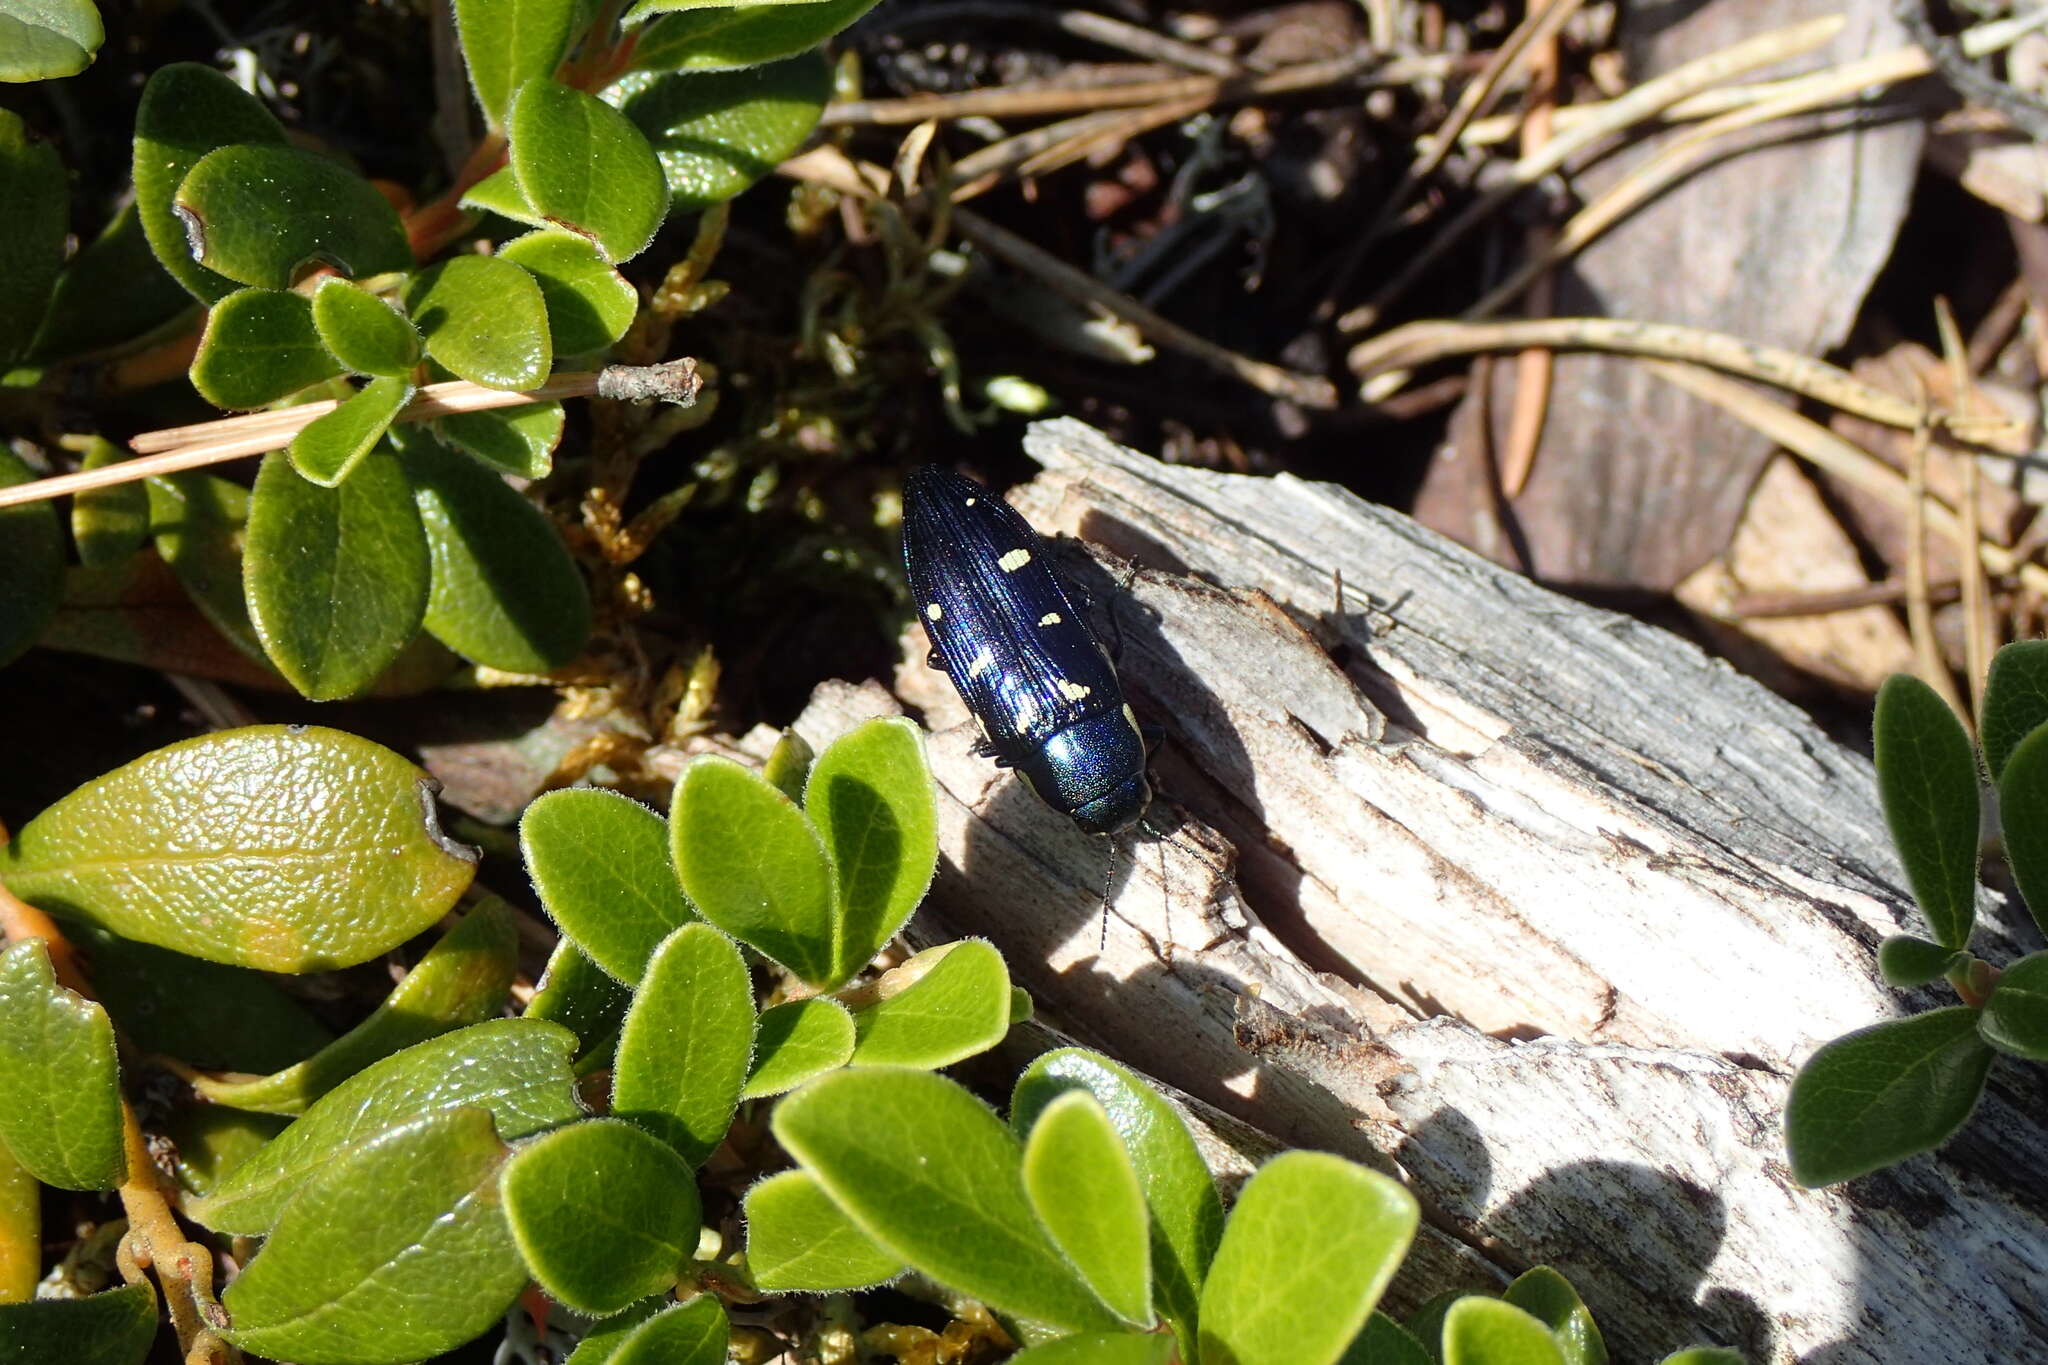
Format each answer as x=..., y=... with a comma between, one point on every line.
x=1108, y=884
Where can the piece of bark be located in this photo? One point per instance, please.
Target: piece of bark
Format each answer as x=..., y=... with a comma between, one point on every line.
x=1495, y=810
x=1635, y=485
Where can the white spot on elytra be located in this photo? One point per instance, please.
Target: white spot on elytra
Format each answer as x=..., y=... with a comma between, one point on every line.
x=1014, y=560
x=1051, y=618
x=980, y=662
x=1132, y=717
x=933, y=611
x=1073, y=691
x=1027, y=712
x=972, y=501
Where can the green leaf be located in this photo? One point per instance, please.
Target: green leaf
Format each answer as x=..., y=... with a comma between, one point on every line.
x=1309, y=1249
x=330, y=447
x=366, y=334
x=1081, y=1184
x=754, y=866
x=111, y=293
x=44, y=40
x=505, y=592
x=643, y=10
x=590, y=305
x=956, y=1003
x=1187, y=1216
x=2023, y=816
x=114, y=1328
x=1906, y=961
x=798, y=1240
x=1550, y=1299
x=579, y=995
x=519, y=441
x=188, y=110
x=211, y=1141
x=484, y=319
x=1385, y=1342
x=285, y=848
x=582, y=164
x=2015, y=700
x=35, y=209
x=1483, y=1331
x=108, y=524
x=600, y=862
x=797, y=1040
x=604, y=1214
x=1884, y=1093
x=691, y=1333
x=499, y=193
x=686, y=1042
x=718, y=132
x=394, y=1252
x=1426, y=1324
x=21, y=1243
x=196, y=521
x=261, y=214
x=464, y=979
x=741, y=35
x=602, y=1342
x=259, y=346
x=62, y=1119
x=199, y=1012
x=1101, y=1348
x=1705, y=1355
x=929, y=1174
x=2015, y=1018
x=31, y=564
x=518, y=1069
x=1927, y=776
x=336, y=577
x=870, y=795
x=506, y=43
x=789, y=765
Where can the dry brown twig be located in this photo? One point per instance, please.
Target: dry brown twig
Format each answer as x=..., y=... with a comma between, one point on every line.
x=1976, y=609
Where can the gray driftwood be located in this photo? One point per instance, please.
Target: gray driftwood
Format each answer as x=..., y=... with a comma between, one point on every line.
x=1534, y=904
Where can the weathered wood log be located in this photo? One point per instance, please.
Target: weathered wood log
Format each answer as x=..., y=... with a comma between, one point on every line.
x=1533, y=903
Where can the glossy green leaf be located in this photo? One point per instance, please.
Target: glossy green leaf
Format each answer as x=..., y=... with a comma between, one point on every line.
x=366, y=334
x=2015, y=1018
x=1081, y=1184
x=581, y=996
x=506, y=43
x=499, y=193
x=188, y=848
x=1927, y=776
x=1483, y=1331
x=259, y=346
x=199, y=1012
x=582, y=164
x=1309, y=1249
x=113, y=1328
x=62, y=1118
x=788, y=767
x=601, y=864
x=336, y=577
x=1705, y=1355
x=188, y=110
x=1549, y=1298
x=643, y=10
x=21, y=1235
x=798, y=1240
x=956, y=1003
x=2015, y=700
x=604, y=1214
x=464, y=979
x=396, y=1251
x=197, y=522
x=1187, y=1215
x=109, y=294
x=31, y=564
x=35, y=209
x=754, y=866
x=602, y=1342
x=797, y=1040
x=518, y=1069
x=211, y=1141
x=870, y=795
x=718, y=132
x=686, y=1043
x=2023, y=817
x=505, y=592
x=262, y=214
x=108, y=524
x=43, y=40
x=484, y=319
x=519, y=441
x=1884, y=1093
x=733, y=36
x=1101, y=1348
x=1382, y=1341
x=691, y=1333
x=1906, y=961
x=590, y=305
x=330, y=447
x=930, y=1175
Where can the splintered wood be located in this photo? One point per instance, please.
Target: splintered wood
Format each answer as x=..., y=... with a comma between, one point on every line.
x=1534, y=903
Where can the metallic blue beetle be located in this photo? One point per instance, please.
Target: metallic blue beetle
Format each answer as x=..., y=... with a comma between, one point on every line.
x=1021, y=657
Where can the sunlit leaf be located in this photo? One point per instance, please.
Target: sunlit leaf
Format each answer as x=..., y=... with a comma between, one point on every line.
x=506, y=43
x=1080, y=1181
x=694, y=1332
x=259, y=346
x=601, y=864
x=582, y=164
x=62, y=1118
x=1884, y=1093
x=686, y=1042
x=754, y=866
x=732, y=36
x=1549, y=1298
x=718, y=132
x=946, y=1003
x=2015, y=1018
x=799, y=1240
x=42, y=40
x=1483, y=1331
x=870, y=796
x=590, y=305
x=796, y=1040
x=1927, y=775
x=261, y=213
x=364, y=333
x=517, y=441
x=484, y=319
x=187, y=110
x=329, y=448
